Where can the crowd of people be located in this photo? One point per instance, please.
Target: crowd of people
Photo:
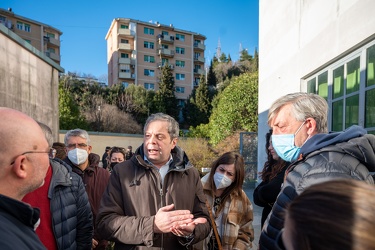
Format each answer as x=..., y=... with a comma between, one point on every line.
x=316, y=188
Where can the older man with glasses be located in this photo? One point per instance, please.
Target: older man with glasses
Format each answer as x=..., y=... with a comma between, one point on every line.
x=24, y=162
x=95, y=178
x=65, y=218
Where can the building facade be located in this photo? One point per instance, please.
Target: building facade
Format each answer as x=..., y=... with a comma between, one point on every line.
x=136, y=52
x=43, y=37
x=324, y=47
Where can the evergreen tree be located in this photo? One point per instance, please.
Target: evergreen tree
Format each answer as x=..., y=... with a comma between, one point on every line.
x=203, y=102
x=165, y=98
x=211, y=82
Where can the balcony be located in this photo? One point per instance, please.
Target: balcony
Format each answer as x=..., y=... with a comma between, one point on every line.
x=51, y=40
x=125, y=32
x=171, y=66
x=53, y=56
x=126, y=61
x=199, y=59
x=124, y=46
x=166, y=52
x=165, y=39
x=7, y=23
x=126, y=75
x=199, y=46
x=199, y=71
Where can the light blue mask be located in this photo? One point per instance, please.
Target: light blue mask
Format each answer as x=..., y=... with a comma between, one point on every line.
x=284, y=146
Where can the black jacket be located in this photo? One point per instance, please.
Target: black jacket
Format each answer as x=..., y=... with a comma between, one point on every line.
x=70, y=208
x=266, y=192
x=17, y=222
x=347, y=154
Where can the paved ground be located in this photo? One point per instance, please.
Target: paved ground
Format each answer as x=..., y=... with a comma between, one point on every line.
x=257, y=215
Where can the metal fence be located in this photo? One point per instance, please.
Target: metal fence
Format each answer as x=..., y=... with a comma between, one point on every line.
x=249, y=151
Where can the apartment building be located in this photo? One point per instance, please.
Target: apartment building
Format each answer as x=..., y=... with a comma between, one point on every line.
x=41, y=36
x=137, y=50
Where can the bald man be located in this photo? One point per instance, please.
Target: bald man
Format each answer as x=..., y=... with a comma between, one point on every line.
x=24, y=161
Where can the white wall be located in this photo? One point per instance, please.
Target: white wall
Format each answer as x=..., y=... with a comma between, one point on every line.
x=297, y=37
x=28, y=80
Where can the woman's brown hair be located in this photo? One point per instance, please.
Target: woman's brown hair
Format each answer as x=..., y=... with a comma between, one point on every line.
x=271, y=167
x=239, y=167
x=337, y=214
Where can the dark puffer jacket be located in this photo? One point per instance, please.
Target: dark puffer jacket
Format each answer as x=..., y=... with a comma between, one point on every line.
x=347, y=154
x=70, y=208
x=18, y=221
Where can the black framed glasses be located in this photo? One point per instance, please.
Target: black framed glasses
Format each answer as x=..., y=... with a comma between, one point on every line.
x=50, y=152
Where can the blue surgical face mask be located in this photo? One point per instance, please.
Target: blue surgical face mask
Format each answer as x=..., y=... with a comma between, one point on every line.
x=284, y=146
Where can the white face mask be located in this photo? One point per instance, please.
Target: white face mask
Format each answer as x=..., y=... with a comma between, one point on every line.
x=78, y=156
x=221, y=180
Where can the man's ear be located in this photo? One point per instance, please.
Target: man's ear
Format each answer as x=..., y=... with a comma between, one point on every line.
x=89, y=147
x=174, y=142
x=20, y=167
x=311, y=126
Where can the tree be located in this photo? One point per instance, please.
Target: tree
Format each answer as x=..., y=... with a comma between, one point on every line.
x=237, y=108
x=165, y=98
x=70, y=114
x=198, y=107
x=202, y=101
x=245, y=56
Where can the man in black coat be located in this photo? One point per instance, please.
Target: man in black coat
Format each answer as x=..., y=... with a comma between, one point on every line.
x=24, y=154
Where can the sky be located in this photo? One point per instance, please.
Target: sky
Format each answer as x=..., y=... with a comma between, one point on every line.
x=85, y=24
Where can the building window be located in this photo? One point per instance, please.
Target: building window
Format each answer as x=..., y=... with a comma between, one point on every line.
x=125, y=41
x=51, y=50
x=149, y=72
x=180, y=37
x=181, y=103
x=165, y=33
x=148, y=31
x=180, y=89
x=180, y=63
x=28, y=41
x=165, y=61
x=125, y=84
x=150, y=59
x=124, y=26
x=351, y=97
x=164, y=46
x=180, y=50
x=196, y=81
x=149, y=86
x=180, y=76
x=50, y=35
x=148, y=45
x=124, y=55
x=23, y=26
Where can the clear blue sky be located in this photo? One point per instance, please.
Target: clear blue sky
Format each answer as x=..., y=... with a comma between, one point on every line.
x=85, y=23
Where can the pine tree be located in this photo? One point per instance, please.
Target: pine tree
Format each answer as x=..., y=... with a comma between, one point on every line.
x=203, y=102
x=165, y=98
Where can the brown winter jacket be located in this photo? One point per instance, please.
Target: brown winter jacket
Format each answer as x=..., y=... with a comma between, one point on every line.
x=135, y=194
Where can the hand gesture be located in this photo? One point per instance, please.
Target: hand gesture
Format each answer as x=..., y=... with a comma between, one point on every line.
x=166, y=218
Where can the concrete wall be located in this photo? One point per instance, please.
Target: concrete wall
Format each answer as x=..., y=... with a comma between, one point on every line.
x=297, y=38
x=100, y=140
x=28, y=80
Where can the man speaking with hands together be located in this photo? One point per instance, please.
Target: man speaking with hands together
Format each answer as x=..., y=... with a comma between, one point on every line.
x=155, y=200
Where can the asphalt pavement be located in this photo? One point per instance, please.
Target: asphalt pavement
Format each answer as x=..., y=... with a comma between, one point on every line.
x=257, y=211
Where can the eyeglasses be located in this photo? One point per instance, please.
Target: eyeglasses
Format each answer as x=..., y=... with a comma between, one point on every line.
x=77, y=145
x=50, y=153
